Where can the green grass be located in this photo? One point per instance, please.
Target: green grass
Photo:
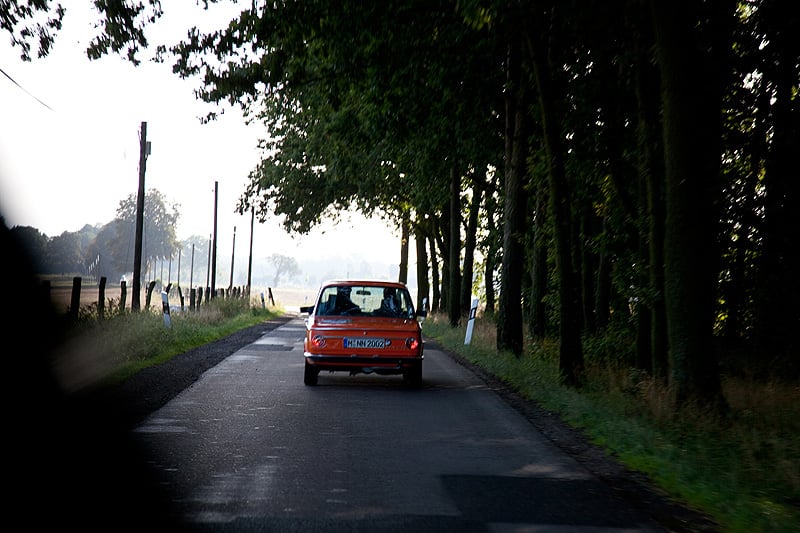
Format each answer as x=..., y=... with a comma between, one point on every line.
x=106, y=352
x=742, y=469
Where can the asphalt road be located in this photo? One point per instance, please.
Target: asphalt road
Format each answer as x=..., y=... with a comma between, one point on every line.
x=248, y=447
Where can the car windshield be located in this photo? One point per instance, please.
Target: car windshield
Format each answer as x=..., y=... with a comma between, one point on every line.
x=365, y=300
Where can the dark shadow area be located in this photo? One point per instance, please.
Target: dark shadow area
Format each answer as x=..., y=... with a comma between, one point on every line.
x=541, y=501
x=362, y=381
x=381, y=523
x=70, y=463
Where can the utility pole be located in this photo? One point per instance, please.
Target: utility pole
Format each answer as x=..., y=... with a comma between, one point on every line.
x=233, y=254
x=214, y=245
x=191, y=269
x=208, y=265
x=144, y=149
x=250, y=260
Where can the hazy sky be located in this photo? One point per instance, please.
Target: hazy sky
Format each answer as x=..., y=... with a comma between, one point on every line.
x=69, y=144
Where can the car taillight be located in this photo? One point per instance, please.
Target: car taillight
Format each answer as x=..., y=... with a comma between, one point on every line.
x=318, y=341
x=412, y=343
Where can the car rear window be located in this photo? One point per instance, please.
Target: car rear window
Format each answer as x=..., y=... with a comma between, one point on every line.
x=370, y=300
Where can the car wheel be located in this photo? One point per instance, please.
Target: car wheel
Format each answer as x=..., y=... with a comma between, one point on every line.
x=311, y=375
x=413, y=376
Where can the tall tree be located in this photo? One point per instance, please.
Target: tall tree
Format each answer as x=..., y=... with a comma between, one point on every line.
x=423, y=281
x=454, y=249
x=650, y=167
x=371, y=106
x=470, y=243
x=64, y=254
x=539, y=272
x=160, y=221
x=509, y=322
x=778, y=316
x=285, y=267
x=543, y=46
x=33, y=242
x=692, y=44
x=121, y=26
x=22, y=20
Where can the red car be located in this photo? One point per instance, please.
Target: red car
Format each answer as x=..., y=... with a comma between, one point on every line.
x=363, y=327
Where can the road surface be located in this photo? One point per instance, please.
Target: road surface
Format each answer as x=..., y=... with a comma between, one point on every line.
x=248, y=447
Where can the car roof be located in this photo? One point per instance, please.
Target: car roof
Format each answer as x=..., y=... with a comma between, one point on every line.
x=359, y=282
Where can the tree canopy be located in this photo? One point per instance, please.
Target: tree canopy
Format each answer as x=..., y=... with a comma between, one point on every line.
x=606, y=165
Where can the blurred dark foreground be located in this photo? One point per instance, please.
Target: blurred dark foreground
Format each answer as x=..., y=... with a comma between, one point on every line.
x=70, y=460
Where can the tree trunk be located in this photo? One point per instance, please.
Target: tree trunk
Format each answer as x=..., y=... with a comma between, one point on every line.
x=470, y=241
x=443, y=242
x=602, y=297
x=571, y=349
x=590, y=270
x=650, y=166
x=691, y=103
x=488, y=278
x=509, y=320
x=436, y=297
x=402, y=275
x=423, y=285
x=778, y=312
x=454, y=279
x=539, y=269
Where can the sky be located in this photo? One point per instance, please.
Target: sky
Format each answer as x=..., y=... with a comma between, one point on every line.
x=69, y=144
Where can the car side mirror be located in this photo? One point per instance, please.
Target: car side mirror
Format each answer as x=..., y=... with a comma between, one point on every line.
x=307, y=309
x=423, y=312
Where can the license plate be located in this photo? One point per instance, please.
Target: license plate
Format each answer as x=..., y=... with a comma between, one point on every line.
x=364, y=342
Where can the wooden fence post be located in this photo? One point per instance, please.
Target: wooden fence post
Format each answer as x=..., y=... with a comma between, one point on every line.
x=75, y=302
x=150, y=288
x=101, y=298
x=123, y=295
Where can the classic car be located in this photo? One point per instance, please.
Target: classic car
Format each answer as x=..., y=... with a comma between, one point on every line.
x=363, y=326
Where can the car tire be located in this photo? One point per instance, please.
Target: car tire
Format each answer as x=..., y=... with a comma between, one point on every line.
x=413, y=376
x=310, y=375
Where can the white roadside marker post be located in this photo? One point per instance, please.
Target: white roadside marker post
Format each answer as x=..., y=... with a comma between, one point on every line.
x=471, y=323
x=165, y=308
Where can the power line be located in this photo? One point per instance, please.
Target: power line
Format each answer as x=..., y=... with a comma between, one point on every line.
x=26, y=90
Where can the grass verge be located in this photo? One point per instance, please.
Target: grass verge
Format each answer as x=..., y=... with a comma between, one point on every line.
x=742, y=469
x=108, y=351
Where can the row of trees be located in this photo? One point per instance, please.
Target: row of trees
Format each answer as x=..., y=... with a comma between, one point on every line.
x=107, y=250
x=624, y=163
x=615, y=162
